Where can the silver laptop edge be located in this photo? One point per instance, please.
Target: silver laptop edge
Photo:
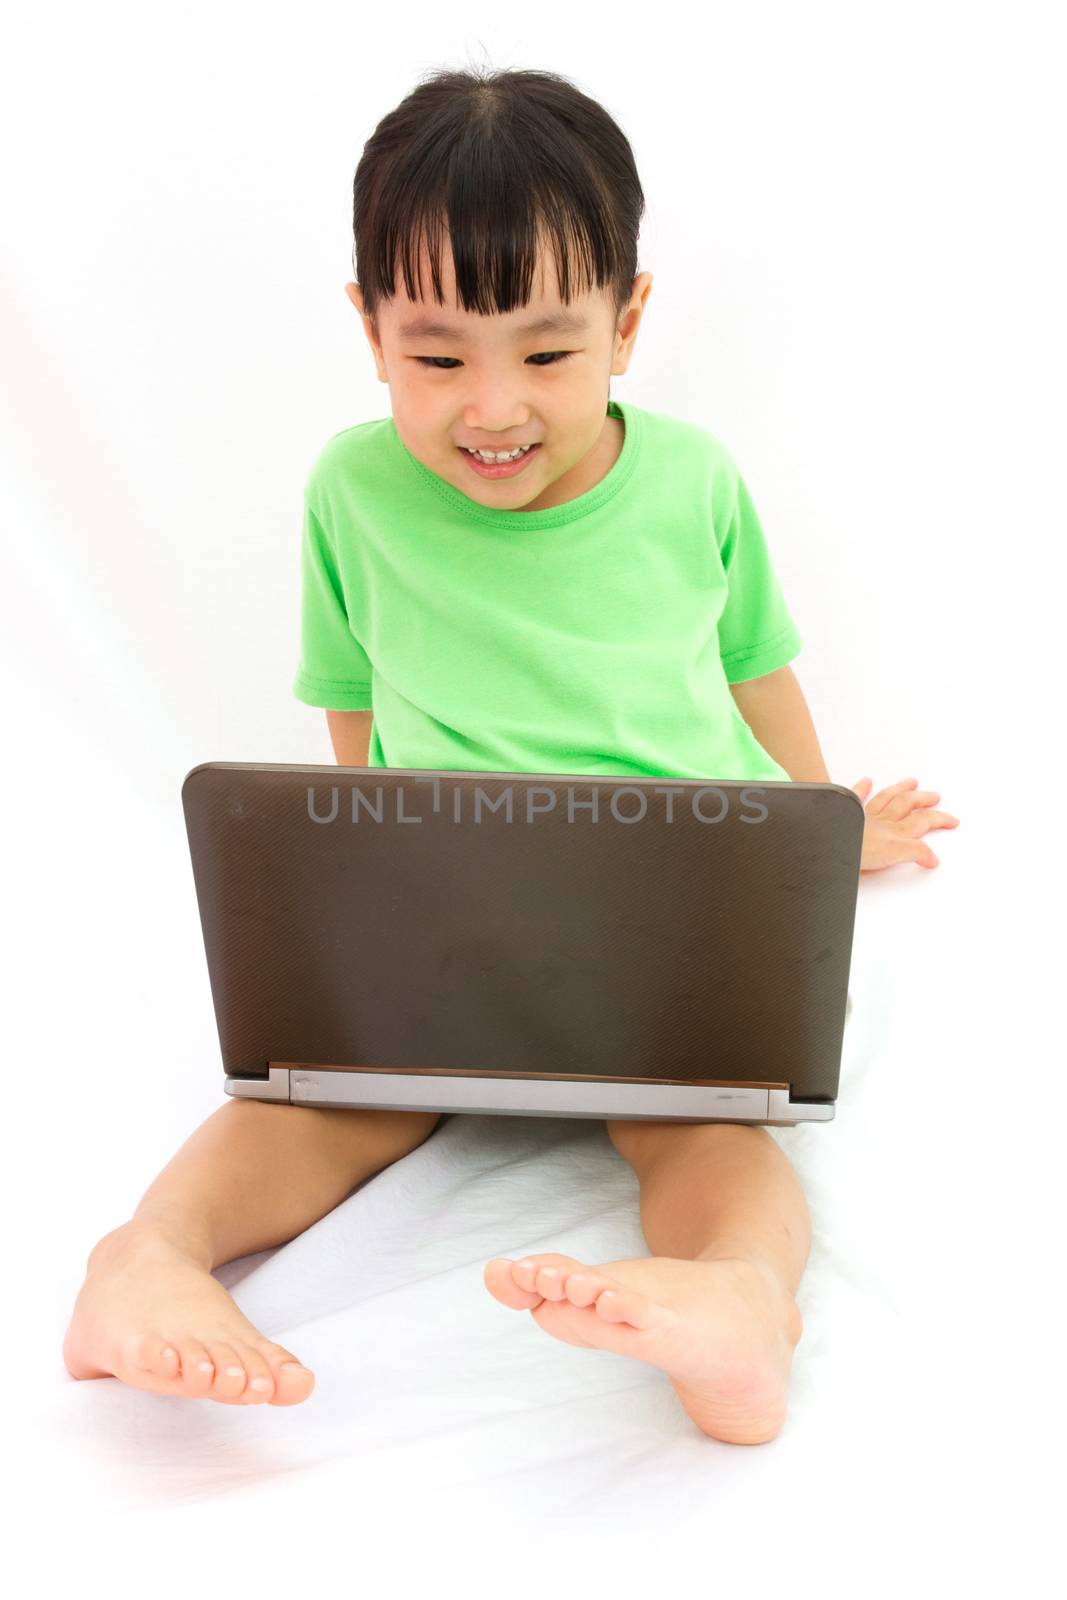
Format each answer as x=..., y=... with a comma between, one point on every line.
x=527, y=1097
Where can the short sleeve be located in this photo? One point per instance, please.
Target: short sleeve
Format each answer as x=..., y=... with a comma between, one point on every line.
x=335, y=671
x=757, y=635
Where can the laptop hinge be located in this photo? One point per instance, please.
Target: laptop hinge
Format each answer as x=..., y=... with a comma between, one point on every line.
x=516, y=1096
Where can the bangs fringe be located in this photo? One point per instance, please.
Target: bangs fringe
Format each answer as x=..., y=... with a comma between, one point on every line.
x=508, y=170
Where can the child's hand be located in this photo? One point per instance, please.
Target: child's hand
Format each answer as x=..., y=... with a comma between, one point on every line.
x=896, y=820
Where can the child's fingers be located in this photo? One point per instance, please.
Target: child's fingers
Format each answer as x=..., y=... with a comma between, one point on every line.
x=913, y=850
x=921, y=822
x=879, y=801
x=922, y=802
x=914, y=804
x=917, y=851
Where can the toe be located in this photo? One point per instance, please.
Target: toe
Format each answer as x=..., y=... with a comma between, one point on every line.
x=547, y=1274
x=230, y=1375
x=583, y=1286
x=198, y=1369
x=500, y=1280
x=158, y=1357
x=260, y=1386
x=563, y=1278
x=528, y=1283
x=293, y=1381
x=616, y=1303
x=612, y=1300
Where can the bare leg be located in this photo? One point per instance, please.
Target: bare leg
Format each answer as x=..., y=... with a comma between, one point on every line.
x=728, y=1226
x=252, y=1176
x=712, y=1190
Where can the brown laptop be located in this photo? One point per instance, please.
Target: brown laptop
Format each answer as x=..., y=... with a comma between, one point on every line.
x=527, y=944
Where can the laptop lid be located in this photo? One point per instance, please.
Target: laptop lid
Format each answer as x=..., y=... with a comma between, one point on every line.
x=527, y=944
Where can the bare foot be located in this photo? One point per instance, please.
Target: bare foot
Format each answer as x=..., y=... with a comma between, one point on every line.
x=723, y=1331
x=144, y=1297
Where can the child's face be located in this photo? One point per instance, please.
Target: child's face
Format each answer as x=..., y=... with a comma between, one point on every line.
x=491, y=383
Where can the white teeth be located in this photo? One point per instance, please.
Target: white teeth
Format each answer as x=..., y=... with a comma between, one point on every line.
x=493, y=456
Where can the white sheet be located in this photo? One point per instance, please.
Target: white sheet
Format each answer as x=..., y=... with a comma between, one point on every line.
x=447, y=1427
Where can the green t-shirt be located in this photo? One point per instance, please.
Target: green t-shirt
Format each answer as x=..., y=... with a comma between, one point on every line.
x=595, y=637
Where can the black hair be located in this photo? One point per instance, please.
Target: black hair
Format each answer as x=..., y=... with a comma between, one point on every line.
x=505, y=161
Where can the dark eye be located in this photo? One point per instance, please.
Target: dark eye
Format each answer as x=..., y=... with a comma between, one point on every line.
x=546, y=358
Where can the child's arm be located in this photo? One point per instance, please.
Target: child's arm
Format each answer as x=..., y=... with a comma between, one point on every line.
x=350, y=732
x=775, y=709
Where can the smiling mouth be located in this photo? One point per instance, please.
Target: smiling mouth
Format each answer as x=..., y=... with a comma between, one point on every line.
x=497, y=450
x=499, y=469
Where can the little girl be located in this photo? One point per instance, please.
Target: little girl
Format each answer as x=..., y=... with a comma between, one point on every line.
x=514, y=572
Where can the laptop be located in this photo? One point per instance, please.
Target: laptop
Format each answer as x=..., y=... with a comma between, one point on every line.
x=527, y=944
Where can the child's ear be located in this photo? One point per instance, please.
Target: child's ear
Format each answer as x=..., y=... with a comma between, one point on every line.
x=355, y=294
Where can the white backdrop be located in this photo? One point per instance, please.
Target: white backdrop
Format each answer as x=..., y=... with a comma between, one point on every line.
x=855, y=223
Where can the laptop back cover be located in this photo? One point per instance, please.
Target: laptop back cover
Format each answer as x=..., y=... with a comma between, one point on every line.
x=651, y=929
